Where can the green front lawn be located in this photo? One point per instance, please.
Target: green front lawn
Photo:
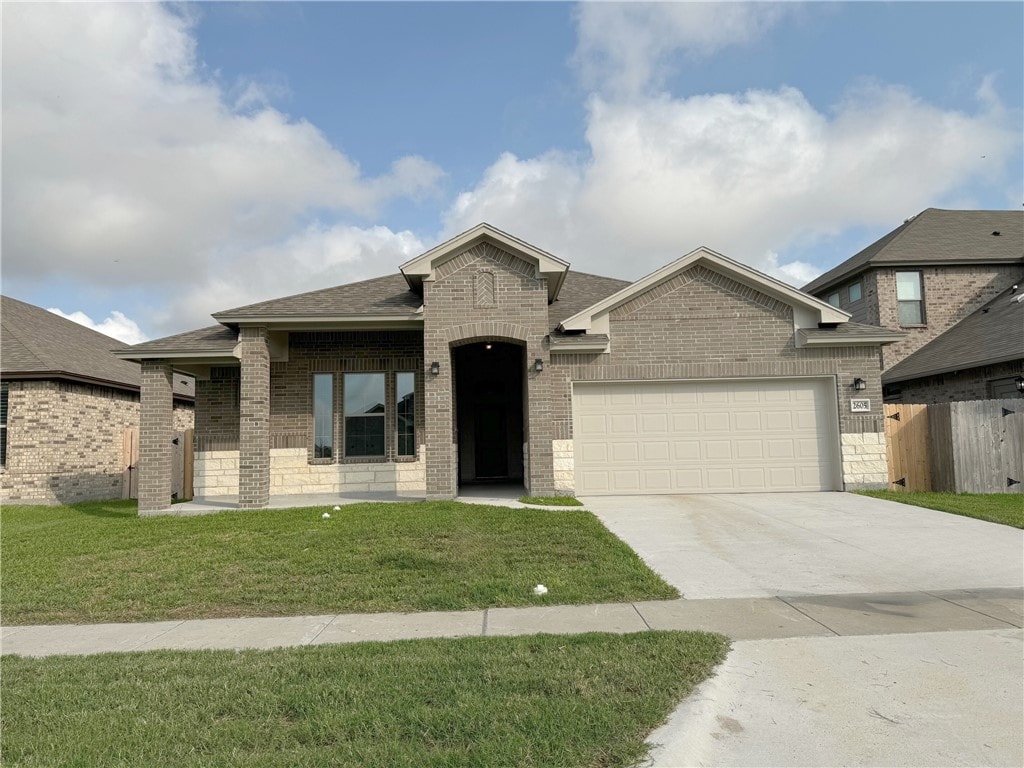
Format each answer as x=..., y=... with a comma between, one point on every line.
x=552, y=501
x=100, y=562
x=1005, y=508
x=581, y=700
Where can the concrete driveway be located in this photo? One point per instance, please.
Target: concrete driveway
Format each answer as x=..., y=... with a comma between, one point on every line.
x=888, y=689
x=795, y=544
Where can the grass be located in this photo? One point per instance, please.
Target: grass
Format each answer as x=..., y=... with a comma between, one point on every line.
x=552, y=501
x=581, y=700
x=100, y=562
x=1004, y=508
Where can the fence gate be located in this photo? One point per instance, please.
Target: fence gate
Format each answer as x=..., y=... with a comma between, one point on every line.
x=182, y=464
x=907, y=438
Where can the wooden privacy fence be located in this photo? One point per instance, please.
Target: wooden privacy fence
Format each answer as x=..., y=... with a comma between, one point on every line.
x=970, y=447
x=182, y=464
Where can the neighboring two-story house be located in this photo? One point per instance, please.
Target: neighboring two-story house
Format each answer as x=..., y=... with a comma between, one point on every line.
x=486, y=359
x=947, y=280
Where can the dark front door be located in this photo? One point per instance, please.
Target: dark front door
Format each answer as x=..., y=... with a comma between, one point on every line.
x=489, y=411
x=491, y=441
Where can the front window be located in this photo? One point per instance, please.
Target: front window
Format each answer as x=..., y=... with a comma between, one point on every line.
x=364, y=414
x=405, y=410
x=909, y=298
x=3, y=425
x=323, y=415
x=833, y=299
x=854, y=292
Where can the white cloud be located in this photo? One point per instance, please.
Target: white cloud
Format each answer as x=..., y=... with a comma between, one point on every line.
x=117, y=325
x=626, y=48
x=745, y=174
x=318, y=256
x=125, y=164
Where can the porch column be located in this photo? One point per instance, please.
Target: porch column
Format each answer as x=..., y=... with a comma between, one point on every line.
x=156, y=431
x=442, y=480
x=541, y=472
x=254, y=419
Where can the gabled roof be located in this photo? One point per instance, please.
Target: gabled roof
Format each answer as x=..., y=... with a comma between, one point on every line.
x=992, y=334
x=38, y=344
x=423, y=266
x=936, y=237
x=820, y=310
x=384, y=297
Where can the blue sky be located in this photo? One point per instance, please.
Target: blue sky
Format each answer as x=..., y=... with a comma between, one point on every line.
x=164, y=162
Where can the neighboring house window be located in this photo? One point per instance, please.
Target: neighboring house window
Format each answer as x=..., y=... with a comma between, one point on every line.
x=364, y=414
x=854, y=291
x=3, y=425
x=909, y=298
x=323, y=415
x=405, y=410
x=833, y=299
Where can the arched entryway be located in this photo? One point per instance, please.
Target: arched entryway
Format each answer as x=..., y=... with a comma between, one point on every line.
x=489, y=411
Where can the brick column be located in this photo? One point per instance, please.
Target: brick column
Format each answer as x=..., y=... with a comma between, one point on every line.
x=155, y=434
x=254, y=419
x=540, y=422
x=441, y=479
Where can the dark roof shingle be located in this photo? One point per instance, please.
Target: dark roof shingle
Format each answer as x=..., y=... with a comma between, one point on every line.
x=992, y=334
x=936, y=236
x=37, y=342
x=388, y=295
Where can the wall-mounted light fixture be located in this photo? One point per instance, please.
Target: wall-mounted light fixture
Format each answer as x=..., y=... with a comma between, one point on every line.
x=435, y=368
x=538, y=365
x=860, y=385
x=1019, y=382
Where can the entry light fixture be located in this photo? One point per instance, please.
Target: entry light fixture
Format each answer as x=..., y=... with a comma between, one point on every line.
x=435, y=368
x=860, y=385
x=488, y=345
x=538, y=365
x=1019, y=382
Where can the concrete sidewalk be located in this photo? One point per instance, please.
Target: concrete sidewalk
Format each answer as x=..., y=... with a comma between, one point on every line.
x=738, y=618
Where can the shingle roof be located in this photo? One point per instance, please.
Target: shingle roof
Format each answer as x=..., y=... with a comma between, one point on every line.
x=992, y=334
x=38, y=343
x=212, y=339
x=388, y=295
x=936, y=236
x=579, y=291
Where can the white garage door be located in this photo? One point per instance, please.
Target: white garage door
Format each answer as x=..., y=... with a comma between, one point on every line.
x=705, y=436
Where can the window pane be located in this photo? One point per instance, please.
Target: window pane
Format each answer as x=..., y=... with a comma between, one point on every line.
x=833, y=299
x=405, y=407
x=910, y=313
x=855, y=292
x=323, y=415
x=364, y=435
x=3, y=425
x=908, y=286
x=364, y=393
x=3, y=404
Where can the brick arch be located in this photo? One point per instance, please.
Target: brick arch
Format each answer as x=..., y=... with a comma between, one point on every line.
x=486, y=331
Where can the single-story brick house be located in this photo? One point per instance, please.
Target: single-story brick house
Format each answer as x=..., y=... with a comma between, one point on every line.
x=487, y=358
x=65, y=402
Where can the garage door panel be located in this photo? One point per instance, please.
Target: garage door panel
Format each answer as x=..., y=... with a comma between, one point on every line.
x=705, y=436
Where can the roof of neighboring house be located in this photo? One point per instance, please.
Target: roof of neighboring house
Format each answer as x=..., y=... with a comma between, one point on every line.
x=40, y=344
x=936, y=237
x=386, y=296
x=992, y=334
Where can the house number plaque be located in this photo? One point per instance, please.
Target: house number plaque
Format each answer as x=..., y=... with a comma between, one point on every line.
x=860, y=405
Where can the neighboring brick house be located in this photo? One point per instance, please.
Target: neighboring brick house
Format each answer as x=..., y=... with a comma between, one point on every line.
x=927, y=278
x=65, y=402
x=487, y=360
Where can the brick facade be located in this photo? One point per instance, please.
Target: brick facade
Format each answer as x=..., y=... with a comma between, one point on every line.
x=951, y=293
x=704, y=325
x=65, y=441
x=485, y=294
x=972, y=384
x=155, y=435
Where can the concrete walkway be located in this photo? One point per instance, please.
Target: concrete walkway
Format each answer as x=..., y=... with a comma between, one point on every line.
x=738, y=618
